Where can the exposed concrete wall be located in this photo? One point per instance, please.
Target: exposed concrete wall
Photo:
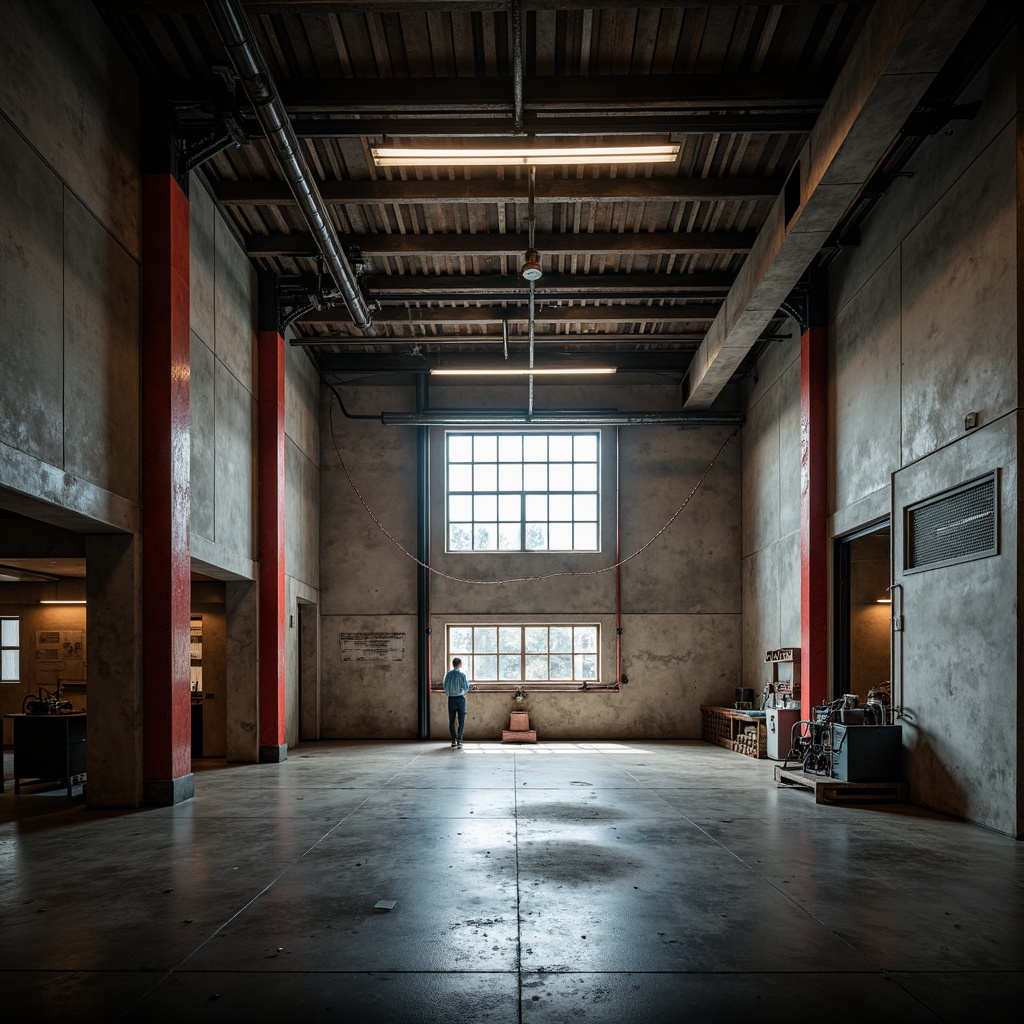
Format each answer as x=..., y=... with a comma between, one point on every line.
x=114, y=593
x=771, y=509
x=223, y=393
x=924, y=328
x=302, y=542
x=242, y=667
x=680, y=596
x=70, y=205
x=69, y=270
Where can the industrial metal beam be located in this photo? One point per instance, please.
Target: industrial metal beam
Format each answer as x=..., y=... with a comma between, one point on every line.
x=385, y=363
x=902, y=47
x=300, y=7
x=441, y=316
x=385, y=288
x=697, y=242
x=637, y=95
x=591, y=340
x=567, y=125
x=548, y=190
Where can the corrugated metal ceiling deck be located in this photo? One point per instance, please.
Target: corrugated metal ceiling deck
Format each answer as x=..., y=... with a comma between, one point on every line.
x=637, y=260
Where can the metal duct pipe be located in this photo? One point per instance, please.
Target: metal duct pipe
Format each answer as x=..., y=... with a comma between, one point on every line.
x=516, y=417
x=251, y=68
x=517, y=65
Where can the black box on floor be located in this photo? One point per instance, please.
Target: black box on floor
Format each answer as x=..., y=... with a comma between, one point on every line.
x=867, y=753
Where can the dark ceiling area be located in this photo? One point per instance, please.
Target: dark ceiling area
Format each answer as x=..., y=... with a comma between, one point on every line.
x=648, y=267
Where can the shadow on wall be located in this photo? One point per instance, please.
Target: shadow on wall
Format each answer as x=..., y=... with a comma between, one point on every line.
x=925, y=768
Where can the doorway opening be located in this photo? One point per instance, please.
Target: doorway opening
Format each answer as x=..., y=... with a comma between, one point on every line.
x=863, y=613
x=308, y=671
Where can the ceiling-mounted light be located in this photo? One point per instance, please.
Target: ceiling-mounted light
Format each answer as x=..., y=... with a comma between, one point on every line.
x=62, y=602
x=398, y=156
x=520, y=371
x=531, y=270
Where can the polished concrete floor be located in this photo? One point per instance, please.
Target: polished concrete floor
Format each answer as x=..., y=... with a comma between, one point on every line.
x=561, y=882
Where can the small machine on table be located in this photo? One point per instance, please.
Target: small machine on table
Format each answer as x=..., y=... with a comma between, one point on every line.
x=49, y=741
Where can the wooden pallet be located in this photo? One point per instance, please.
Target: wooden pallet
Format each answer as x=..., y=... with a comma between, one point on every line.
x=832, y=791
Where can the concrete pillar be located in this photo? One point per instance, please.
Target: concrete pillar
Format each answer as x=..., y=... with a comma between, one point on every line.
x=814, y=594
x=271, y=506
x=242, y=671
x=166, y=448
x=113, y=589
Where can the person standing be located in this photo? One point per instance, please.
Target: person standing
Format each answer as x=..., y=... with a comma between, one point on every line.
x=456, y=685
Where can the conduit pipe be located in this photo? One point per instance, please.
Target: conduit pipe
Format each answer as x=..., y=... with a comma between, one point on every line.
x=251, y=67
x=511, y=417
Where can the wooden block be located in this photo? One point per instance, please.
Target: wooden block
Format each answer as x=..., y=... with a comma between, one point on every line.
x=519, y=736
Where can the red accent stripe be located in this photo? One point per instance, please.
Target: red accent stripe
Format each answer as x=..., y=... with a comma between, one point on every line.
x=814, y=598
x=166, y=472
x=271, y=504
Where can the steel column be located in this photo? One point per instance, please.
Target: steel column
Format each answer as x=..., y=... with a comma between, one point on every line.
x=814, y=596
x=166, y=496
x=271, y=510
x=423, y=554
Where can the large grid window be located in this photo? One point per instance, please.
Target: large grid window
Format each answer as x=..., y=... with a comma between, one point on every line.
x=10, y=650
x=523, y=492
x=534, y=653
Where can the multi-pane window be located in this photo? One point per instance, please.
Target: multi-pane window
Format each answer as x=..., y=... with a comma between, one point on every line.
x=526, y=653
x=523, y=492
x=9, y=650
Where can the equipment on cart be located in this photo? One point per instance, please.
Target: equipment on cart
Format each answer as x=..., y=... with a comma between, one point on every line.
x=45, y=703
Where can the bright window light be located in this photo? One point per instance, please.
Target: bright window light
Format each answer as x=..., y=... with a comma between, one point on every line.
x=501, y=655
x=523, y=491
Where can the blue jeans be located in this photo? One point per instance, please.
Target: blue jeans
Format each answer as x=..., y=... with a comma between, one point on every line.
x=456, y=707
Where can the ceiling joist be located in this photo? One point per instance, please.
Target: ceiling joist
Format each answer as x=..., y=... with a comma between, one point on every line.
x=451, y=316
x=457, y=245
x=549, y=190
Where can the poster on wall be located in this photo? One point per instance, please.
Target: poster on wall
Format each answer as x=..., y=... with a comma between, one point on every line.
x=372, y=646
x=61, y=652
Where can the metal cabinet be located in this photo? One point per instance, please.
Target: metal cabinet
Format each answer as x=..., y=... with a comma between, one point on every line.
x=49, y=747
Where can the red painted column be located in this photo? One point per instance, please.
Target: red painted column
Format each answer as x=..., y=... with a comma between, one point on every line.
x=166, y=496
x=270, y=402
x=814, y=596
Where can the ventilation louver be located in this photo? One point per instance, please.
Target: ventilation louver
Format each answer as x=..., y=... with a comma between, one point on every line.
x=955, y=526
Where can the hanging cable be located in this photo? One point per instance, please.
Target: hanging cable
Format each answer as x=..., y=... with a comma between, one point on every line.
x=513, y=579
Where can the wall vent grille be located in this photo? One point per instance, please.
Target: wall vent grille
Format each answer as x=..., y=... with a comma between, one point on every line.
x=956, y=526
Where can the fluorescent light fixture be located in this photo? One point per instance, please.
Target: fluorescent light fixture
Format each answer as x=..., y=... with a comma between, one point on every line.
x=524, y=371
x=62, y=602
x=398, y=156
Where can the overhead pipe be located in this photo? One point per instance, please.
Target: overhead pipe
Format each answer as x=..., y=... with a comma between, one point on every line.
x=517, y=65
x=516, y=417
x=251, y=68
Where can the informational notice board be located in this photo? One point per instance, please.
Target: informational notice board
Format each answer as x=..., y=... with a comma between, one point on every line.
x=372, y=646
